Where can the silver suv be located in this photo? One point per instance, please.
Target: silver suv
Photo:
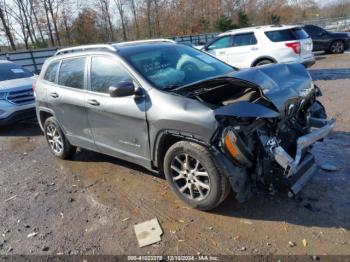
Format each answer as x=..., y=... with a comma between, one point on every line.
x=178, y=111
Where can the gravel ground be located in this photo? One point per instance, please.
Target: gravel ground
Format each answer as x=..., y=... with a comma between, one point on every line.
x=90, y=204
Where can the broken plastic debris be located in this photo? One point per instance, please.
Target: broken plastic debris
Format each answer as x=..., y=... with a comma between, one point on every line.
x=148, y=232
x=32, y=234
x=125, y=219
x=291, y=244
x=329, y=167
x=13, y=197
x=304, y=242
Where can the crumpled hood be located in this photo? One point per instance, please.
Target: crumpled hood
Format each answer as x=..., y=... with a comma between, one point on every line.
x=281, y=83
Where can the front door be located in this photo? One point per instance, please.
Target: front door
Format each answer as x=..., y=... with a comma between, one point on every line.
x=118, y=124
x=219, y=47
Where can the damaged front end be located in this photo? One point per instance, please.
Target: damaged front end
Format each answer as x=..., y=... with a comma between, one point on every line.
x=268, y=125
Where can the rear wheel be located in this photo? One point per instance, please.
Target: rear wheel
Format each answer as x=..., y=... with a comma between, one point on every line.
x=337, y=47
x=58, y=144
x=263, y=62
x=193, y=176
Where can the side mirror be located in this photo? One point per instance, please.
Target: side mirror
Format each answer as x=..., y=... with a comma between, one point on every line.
x=324, y=33
x=123, y=88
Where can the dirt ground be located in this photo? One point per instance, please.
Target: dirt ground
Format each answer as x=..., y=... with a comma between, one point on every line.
x=89, y=205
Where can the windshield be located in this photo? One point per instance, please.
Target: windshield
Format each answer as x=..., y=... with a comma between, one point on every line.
x=171, y=66
x=9, y=71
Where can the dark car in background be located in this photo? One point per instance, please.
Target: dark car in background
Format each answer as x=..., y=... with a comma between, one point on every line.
x=323, y=40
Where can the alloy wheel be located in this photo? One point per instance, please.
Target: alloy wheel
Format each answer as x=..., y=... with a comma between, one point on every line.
x=190, y=177
x=54, y=138
x=337, y=47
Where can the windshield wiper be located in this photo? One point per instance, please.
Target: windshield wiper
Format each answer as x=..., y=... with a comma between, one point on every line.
x=170, y=87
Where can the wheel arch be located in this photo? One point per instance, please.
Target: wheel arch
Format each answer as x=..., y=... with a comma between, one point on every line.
x=257, y=60
x=165, y=139
x=43, y=114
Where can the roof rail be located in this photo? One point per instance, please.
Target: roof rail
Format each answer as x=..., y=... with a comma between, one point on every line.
x=85, y=47
x=145, y=41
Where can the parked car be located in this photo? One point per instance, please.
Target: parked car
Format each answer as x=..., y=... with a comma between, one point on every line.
x=323, y=40
x=16, y=95
x=255, y=46
x=207, y=128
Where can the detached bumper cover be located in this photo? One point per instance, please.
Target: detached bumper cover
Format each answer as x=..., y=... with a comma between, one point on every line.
x=290, y=164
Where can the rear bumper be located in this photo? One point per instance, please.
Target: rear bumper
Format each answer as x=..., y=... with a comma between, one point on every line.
x=309, y=62
x=18, y=116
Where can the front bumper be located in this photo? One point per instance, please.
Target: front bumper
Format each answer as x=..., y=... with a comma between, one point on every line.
x=302, y=167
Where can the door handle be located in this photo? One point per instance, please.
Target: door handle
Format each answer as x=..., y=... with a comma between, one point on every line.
x=221, y=52
x=54, y=95
x=93, y=102
x=254, y=48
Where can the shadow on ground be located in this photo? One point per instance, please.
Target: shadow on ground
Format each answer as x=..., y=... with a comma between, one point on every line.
x=24, y=128
x=330, y=74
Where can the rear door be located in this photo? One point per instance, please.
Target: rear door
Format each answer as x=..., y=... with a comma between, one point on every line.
x=67, y=99
x=118, y=124
x=220, y=47
x=244, y=50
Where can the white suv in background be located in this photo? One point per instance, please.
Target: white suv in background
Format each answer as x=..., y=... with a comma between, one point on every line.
x=255, y=46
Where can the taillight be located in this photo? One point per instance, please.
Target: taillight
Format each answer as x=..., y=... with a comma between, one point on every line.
x=295, y=46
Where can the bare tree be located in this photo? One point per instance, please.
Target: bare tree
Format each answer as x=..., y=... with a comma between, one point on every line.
x=121, y=4
x=6, y=28
x=48, y=22
x=136, y=21
x=54, y=18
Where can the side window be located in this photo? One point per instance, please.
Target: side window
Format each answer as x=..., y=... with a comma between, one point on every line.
x=51, y=71
x=71, y=73
x=223, y=42
x=314, y=30
x=105, y=72
x=244, y=39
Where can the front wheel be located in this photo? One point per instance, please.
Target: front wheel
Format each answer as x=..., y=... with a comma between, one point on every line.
x=58, y=143
x=193, y=176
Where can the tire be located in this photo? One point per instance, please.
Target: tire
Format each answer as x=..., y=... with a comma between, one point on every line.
x=193, y=176
x=337, y=47
x=263, y=62
x=58, y=143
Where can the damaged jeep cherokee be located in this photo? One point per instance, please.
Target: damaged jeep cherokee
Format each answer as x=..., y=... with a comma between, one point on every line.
x=175, y=110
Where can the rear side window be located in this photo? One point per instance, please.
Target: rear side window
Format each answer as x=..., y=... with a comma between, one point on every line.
x=71, y=73
x=51, y=71
x=222, y=42
x=314, y=30
x=105, y=73
x=287, y=35
x=244, y=39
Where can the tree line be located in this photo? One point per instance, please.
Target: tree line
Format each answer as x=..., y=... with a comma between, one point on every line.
x=43, y=23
